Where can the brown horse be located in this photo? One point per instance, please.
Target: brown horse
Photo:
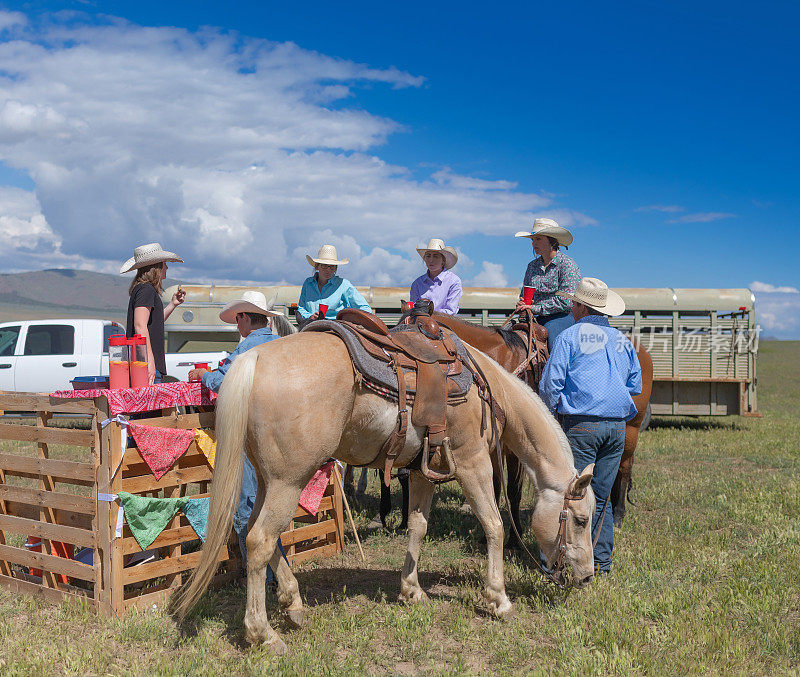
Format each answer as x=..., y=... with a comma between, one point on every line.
x=510, y=349
x=290, y=414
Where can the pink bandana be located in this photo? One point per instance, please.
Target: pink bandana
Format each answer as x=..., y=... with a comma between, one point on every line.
x=312, y=494
x=160, y=447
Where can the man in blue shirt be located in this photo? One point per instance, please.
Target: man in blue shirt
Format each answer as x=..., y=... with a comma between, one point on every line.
x=251, y=315
x=589, y=379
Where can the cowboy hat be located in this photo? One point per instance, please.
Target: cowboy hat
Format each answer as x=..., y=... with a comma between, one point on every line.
x=596, y=294
x=147, y=255
x=327, y=256
x=251, y=302
x=436, y=245
x=549, y=228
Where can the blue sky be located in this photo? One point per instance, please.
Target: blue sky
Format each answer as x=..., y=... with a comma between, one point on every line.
x=660, y=133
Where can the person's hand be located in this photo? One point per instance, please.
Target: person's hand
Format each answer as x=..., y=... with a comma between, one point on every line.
x=151, y=373
x=521, y=305
x=197, y=374
x=178, y=297
x=320, y=315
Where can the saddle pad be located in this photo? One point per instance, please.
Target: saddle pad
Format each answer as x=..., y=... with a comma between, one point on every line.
x=380, y=371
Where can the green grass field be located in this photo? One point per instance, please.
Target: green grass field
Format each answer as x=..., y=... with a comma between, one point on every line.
x=706, y=580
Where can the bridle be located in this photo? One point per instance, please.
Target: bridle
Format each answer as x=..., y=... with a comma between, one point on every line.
x=556, y=575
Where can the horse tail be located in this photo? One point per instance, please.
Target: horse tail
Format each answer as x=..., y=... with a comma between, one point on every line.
x=231, y=427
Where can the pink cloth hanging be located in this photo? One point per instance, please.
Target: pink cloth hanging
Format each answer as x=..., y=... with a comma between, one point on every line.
x=315, y=489
x=160, y=447
x=158, y=396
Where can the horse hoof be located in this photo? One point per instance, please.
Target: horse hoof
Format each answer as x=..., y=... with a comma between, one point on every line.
x=504, y=611
x=412, y=596
x=277, y=646
x=296, y=617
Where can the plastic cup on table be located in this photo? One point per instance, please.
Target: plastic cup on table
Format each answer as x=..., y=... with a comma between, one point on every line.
x=527, y=295
x=323, y=309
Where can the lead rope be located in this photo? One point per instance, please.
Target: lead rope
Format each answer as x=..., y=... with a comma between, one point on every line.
x=498, y=445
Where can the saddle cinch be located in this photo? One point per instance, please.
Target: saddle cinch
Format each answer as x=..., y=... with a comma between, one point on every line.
x=418, y=363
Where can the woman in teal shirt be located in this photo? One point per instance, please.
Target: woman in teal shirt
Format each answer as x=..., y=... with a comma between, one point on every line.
x=325, y=287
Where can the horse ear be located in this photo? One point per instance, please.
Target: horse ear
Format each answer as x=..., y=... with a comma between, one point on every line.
x=404, y=306
x=585, y=478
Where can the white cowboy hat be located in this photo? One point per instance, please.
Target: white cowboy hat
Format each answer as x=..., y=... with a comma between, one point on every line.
x=596, y=294
x=251, y=302
x=147, y=255
x=327, y=256
x=550, y=228
x=436, y=245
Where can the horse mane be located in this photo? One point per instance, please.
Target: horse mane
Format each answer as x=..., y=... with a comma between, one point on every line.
x=525, y=391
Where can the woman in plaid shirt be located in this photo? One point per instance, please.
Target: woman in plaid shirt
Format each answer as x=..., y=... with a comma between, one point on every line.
x=549, y=272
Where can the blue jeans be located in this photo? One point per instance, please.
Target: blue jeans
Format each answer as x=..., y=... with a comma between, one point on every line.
x=598, y=441
x=247, y=499
x=556, y=323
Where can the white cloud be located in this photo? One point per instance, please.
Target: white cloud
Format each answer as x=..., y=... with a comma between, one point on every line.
x=777, y=309
x=702, y=217
x=238, y=153
x=767, y=287
x=668, y=209
x=11, y=19
x=491, y=275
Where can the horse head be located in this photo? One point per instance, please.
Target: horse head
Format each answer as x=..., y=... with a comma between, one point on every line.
x=562, y=521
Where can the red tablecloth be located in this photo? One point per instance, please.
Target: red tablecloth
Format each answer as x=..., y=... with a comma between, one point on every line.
x=159, y=396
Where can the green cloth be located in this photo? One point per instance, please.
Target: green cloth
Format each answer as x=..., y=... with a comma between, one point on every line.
x=148, y=517
x=196, y=511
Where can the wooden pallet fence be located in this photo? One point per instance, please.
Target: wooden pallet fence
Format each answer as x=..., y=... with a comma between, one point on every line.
x=55, y=500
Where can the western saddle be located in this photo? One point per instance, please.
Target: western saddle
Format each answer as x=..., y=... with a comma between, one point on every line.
x=426, y=362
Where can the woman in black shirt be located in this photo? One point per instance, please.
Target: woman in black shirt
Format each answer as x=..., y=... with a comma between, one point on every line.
x=146, y=311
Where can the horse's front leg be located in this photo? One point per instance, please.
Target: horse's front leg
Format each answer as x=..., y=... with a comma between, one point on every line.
x=420, y=497
x=475, y=479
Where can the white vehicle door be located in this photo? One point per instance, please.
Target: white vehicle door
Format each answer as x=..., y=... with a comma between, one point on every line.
x=9, y=340
x=48, y=361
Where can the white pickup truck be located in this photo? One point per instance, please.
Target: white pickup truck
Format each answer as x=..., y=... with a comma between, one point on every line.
x=45, y=355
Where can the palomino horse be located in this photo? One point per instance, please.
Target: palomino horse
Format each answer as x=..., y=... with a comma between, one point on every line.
x=293, y=404
x=509, y=350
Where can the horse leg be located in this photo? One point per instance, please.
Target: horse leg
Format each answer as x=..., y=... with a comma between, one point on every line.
x=619, y=492
x=386, y=502
x=420, y=497
x=476, y=484
x=403, y=477
x=280, y=501
x=515, y=480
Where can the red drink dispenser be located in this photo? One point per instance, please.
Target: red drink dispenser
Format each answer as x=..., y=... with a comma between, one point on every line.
x=139, y=376
x=118, y=362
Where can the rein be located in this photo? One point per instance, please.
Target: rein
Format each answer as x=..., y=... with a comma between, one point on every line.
x=569, y=495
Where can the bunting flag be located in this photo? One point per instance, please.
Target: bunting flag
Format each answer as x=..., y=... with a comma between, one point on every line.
x=207, y=443
x=311, y=496
x=160, y=447
x=148, y=517
x=196, y=511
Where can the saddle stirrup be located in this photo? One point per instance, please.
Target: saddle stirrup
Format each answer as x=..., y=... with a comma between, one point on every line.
x=447, y=457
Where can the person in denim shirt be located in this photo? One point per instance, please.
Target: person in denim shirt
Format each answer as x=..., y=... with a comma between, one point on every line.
x=325, y=287
x=550, y=272
x=589, y=381
x=251, y=315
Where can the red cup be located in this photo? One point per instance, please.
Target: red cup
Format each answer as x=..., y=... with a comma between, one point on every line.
x=323, y=309
x=200, y=365
x=527, y=295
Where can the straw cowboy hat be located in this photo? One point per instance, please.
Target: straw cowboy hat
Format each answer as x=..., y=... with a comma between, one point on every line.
x=436, y=245
x=327, y=256
x=147, y=255
x=251, y=302
x=596, y=294
x=550, y=228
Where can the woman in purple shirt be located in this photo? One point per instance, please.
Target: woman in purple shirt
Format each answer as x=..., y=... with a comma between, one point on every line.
x=438, y=284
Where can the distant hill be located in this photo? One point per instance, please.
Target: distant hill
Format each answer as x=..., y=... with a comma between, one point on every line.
x=64, y=293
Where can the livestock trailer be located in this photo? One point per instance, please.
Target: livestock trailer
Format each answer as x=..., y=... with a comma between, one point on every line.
x=704, y=342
